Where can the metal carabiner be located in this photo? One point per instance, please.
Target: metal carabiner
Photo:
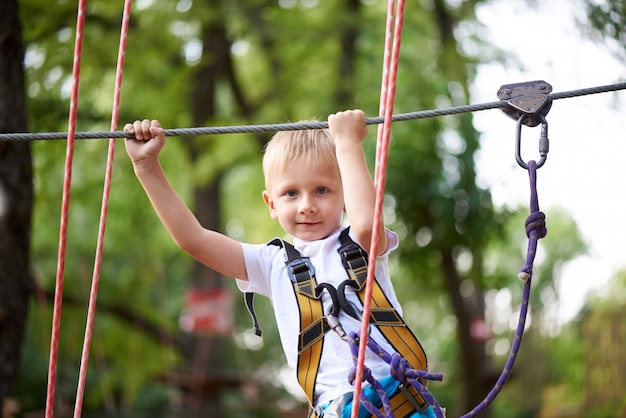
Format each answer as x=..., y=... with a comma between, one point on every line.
x=544, y=145
x=331, y=316
x=335, y=325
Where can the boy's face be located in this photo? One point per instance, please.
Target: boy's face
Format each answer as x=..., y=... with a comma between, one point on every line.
x=307, y=199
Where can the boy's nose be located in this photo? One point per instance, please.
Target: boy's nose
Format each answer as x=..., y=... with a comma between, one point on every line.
x=306, y=204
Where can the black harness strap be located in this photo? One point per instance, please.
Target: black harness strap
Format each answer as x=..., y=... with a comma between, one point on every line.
x=382, y=314
x=313, y=326
x=249, y=298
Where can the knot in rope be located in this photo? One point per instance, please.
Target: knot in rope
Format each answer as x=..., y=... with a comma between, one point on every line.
x=367, y=375
x=400, y=370
x=536, y=221
x=398, y=367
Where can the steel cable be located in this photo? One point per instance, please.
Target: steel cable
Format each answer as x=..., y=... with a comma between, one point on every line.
x=295, y=126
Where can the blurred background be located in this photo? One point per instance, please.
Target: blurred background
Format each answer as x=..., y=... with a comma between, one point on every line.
x=173, y=339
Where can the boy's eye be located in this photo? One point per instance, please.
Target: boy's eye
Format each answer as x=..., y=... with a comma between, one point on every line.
x=322, y=190
x=291, y=193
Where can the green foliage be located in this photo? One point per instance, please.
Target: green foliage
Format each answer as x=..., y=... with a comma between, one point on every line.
x=287, y=62
x=604, y=334
x=606, y=21
x=610, y=298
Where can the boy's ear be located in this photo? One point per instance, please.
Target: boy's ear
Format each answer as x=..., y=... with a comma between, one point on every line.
x=270, y=204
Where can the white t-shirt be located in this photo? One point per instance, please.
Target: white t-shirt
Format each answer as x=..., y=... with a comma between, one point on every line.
x=267, y=276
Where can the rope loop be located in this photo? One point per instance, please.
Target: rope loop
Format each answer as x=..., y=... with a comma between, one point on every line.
x=366, y=375
x=535, y=224
x=400, y=370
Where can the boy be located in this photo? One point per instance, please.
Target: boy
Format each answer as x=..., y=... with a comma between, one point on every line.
x=311, y=178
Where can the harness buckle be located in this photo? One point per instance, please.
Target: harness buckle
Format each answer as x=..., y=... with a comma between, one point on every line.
x=355, y=261
x=419, y=408
x=351, y=251
x=302, y=272
x=299, y=265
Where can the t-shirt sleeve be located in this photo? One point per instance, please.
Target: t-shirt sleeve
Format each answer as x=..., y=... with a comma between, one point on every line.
x=257, y=258
x=393, y=241
x=382, y=269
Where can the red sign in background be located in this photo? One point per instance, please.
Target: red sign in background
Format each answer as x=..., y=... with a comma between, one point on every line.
x=207, y=311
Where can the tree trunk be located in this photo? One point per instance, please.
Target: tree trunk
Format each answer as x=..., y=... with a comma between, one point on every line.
x=347, y=62
x=476, y=376
x=204, y=358
x=16, y=194
x=475, y=368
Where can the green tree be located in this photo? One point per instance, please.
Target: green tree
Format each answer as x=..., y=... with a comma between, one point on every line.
x=604, y=335
x=605, y=24
x=236, y=62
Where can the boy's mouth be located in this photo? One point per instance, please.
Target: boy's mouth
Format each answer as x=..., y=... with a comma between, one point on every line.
x=308, y=223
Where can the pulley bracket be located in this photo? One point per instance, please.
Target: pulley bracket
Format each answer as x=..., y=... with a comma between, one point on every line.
x=527, y=99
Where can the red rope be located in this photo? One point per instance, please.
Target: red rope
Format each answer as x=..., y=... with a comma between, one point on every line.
x=69, y=157
x=388, y=90
x=384, y=84
x=91, y=313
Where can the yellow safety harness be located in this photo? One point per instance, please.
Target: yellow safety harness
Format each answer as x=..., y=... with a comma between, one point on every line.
x=314, y=323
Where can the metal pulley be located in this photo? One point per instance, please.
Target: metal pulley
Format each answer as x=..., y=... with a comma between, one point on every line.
x=529, y=99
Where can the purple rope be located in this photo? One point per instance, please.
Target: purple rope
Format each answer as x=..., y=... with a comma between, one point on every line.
x=535, y=224
x=353, y=341
x=400, y=370
x=508, y=367
x=535, y=229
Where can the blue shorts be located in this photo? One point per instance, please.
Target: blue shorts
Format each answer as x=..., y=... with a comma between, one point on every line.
x=391, y=386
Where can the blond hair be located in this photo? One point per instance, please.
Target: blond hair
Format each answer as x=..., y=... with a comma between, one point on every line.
x=287, y=147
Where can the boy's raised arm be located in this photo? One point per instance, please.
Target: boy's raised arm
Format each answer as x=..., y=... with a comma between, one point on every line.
x=348, y=130
x=211, y=248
